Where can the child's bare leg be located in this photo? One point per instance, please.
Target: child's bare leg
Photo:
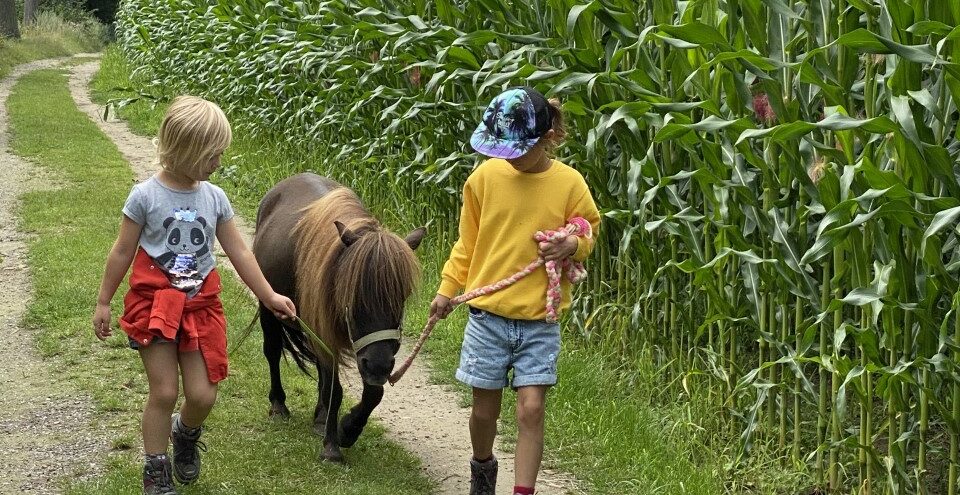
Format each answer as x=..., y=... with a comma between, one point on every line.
x=531, y=402
x=160, y=363
x=483, y=421
x=199, y=394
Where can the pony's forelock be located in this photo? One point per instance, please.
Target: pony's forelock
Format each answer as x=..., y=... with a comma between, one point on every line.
x=378, y=270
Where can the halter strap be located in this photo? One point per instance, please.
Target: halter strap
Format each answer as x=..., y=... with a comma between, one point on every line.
x=389, y=334
x=392, y=333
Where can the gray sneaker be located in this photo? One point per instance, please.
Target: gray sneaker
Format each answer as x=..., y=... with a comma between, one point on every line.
x=483, y=477
x=186, y=455
x=157, y=479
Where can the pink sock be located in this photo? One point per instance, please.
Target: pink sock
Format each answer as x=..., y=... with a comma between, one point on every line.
x=522, y=490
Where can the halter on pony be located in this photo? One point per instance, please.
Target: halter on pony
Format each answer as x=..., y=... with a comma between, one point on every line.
x=574, y=270
x=379, y=335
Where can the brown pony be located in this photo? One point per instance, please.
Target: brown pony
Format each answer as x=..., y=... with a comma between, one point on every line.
x=350, y=278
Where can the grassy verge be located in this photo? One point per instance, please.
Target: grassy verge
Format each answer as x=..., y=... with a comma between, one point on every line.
x=618, y=433
x=50, y=37
x=75, y=226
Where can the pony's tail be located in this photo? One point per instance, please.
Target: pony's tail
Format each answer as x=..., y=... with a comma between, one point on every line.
x=297, y=345
x=293, y=340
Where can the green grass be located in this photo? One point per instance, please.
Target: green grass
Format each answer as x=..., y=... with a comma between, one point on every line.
x=49, y=37
x=74, y=228
x=616, y=432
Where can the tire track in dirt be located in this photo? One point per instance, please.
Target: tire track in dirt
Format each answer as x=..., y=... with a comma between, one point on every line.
x=421, y=416
x=46, y=434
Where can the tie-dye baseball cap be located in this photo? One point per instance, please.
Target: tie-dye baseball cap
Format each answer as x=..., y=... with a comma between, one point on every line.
x=513, y=123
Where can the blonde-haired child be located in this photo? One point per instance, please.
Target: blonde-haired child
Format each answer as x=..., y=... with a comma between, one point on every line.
x=520, y=190
x=172, y=312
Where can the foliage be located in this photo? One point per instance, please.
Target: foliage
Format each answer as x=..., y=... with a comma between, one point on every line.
x=778, y=177
x=76, y=11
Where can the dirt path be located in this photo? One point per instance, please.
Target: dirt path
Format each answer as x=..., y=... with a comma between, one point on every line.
x=45, y=427
x=423, y=417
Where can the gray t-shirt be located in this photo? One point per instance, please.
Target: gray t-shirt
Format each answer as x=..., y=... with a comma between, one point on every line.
x=179, y=228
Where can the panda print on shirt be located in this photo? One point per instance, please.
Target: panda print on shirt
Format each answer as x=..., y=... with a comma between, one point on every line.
x=187, y=248
x=179, y=228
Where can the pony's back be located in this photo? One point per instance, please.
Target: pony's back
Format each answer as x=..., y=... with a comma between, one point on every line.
x=277, y=216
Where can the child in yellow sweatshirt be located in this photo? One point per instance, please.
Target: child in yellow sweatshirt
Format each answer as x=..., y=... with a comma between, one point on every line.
x=506, y=200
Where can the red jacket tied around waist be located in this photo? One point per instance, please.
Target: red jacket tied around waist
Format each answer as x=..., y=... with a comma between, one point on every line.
x=152, y=308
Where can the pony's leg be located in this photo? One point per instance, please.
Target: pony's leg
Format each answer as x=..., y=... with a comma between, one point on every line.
x=324, y=379
x=273, y=350
x=353, y=423
x=329, y=410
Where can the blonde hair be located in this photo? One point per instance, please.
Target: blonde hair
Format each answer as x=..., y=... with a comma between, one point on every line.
x=193, y=131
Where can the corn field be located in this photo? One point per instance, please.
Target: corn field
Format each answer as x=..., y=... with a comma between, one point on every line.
x=779, y=180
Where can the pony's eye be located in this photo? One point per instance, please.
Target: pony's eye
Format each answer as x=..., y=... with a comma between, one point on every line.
x=196, y=236
x=174, y=237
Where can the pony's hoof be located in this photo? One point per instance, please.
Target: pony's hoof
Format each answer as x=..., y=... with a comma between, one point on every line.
x=349, y=434
x=278, y=411
x=331, y=453
x=347, y=442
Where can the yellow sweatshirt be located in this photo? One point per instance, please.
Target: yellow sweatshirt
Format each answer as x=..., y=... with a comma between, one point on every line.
x=502, y=209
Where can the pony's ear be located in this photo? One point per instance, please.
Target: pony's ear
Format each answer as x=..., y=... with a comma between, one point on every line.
x=413, y=238
x=347, y=236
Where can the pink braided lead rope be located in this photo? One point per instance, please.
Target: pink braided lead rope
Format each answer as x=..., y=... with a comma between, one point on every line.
x=574, y=270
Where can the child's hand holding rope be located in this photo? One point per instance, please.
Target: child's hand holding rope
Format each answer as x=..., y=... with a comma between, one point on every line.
x=557, y=249
x=440, y=308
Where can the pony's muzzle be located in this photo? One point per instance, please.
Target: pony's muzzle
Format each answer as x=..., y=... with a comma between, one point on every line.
x=375, y=371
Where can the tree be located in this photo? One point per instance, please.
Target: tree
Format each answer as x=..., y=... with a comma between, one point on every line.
x=29, y=12
x=9, y=27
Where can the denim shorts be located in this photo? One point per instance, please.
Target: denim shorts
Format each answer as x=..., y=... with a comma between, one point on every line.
x=133, y=344
x=493, y=345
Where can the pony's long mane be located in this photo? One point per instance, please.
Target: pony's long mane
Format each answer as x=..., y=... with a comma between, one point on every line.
x=335, y=282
